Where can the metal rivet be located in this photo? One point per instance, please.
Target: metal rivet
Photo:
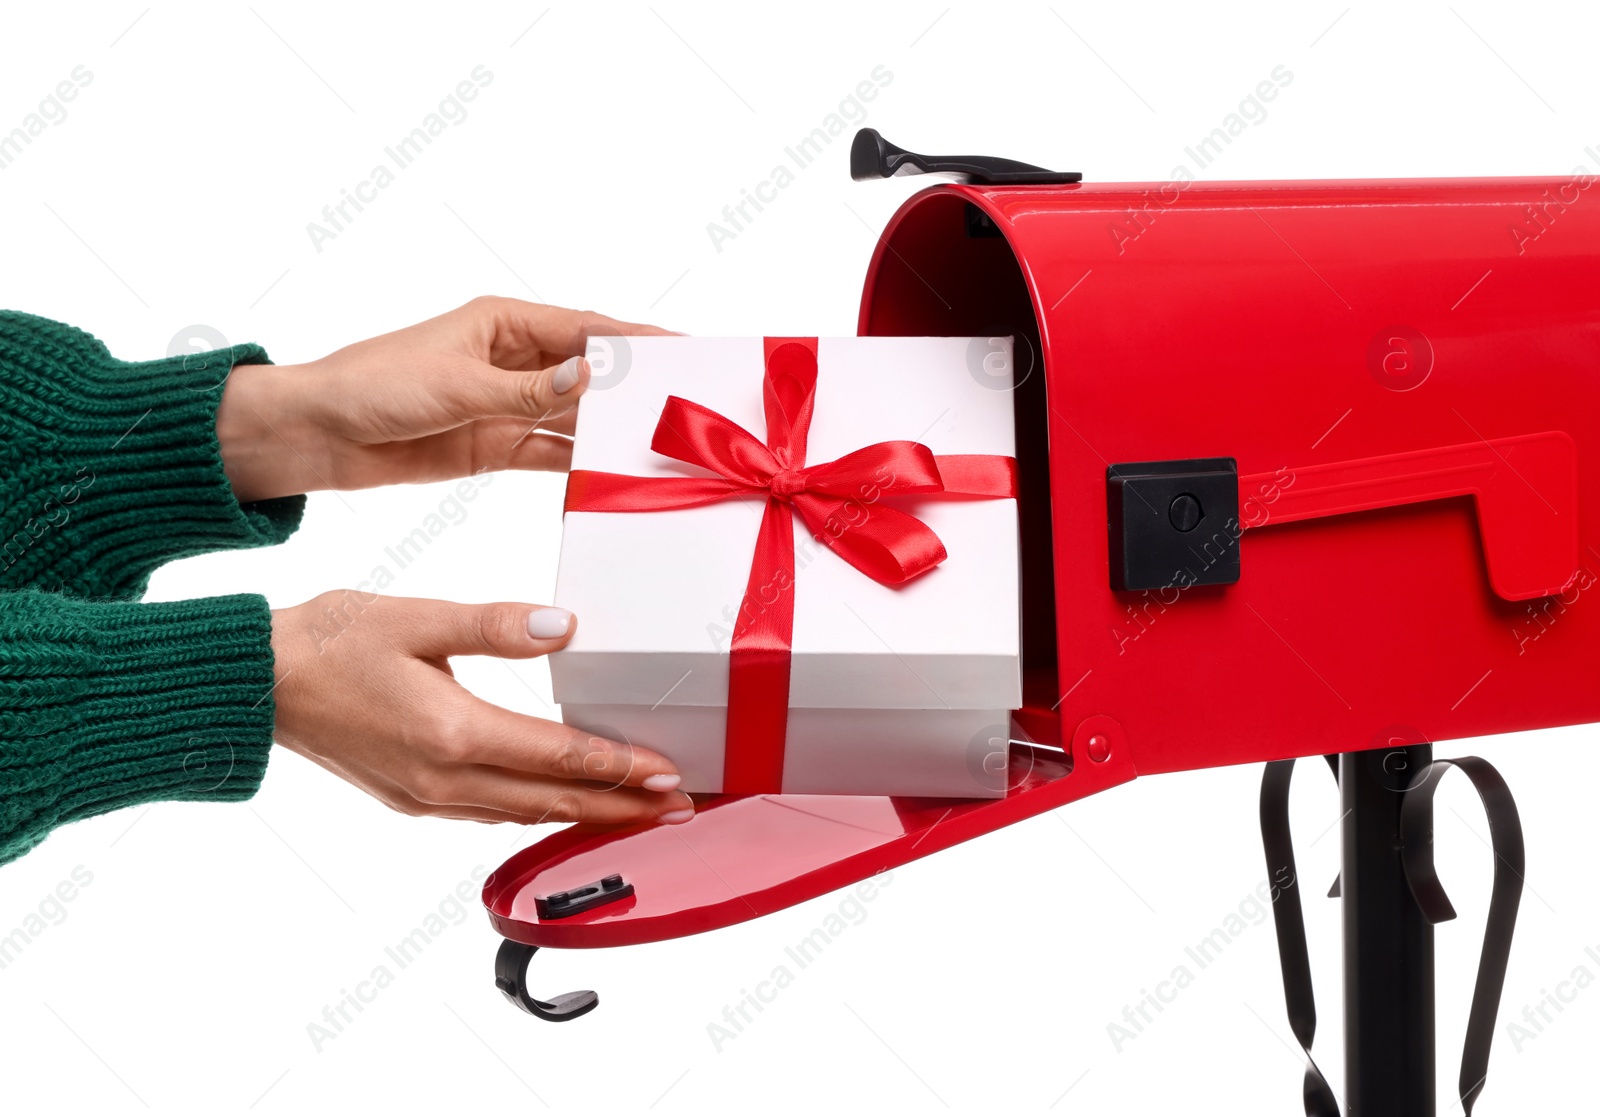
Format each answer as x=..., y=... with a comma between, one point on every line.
x=1184, y=512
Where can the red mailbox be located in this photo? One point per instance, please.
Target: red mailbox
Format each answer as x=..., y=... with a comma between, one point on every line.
x=1403, y=374
x=1303, y=471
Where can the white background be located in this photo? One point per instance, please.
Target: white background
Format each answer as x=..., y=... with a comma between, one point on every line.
x=177, y=191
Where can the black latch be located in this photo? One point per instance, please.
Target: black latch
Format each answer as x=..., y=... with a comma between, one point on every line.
x=872, y=156
x=1173, y=524
x=559, y=905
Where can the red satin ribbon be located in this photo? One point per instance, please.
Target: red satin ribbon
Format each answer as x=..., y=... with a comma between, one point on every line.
x=840, y=502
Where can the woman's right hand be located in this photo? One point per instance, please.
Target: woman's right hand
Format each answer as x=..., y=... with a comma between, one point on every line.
x=364, y=688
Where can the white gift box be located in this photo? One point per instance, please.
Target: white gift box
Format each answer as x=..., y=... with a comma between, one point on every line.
x=902, y=690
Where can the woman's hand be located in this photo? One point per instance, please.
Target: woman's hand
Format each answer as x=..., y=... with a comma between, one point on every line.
x=364, y=688
x=486, y=387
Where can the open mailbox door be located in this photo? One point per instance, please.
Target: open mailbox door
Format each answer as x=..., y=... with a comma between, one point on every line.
x=1304, y=471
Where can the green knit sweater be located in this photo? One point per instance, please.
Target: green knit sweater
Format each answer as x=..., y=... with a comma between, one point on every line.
x=108, y=469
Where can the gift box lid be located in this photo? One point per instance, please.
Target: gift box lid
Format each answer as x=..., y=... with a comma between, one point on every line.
x=656, y=593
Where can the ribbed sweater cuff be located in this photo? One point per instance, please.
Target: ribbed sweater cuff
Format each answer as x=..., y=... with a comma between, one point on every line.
x=110, y=704
x=123, y=471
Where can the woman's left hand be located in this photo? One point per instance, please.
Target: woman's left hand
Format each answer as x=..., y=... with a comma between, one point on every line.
x=489, y=386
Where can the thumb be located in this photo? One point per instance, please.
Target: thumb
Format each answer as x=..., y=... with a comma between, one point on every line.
x=510, y=630
x=483, y=391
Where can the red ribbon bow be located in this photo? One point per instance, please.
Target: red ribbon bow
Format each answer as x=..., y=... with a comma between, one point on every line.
x=839, y=502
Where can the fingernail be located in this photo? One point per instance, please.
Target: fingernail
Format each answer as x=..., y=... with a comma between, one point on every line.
x=666, y=781
x=547, y=624
x=677, y=818
x=566, y=376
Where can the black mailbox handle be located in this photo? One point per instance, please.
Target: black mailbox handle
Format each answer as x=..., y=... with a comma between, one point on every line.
x=872, y=156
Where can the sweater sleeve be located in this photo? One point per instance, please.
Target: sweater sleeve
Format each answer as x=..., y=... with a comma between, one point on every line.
x=107, y=704
x=110, y=468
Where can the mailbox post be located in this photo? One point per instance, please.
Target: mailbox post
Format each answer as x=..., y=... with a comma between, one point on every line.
x=1388, y=945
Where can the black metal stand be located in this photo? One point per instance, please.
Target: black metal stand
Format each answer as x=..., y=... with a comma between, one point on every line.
x=1388, y=943
x=1391, y=900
